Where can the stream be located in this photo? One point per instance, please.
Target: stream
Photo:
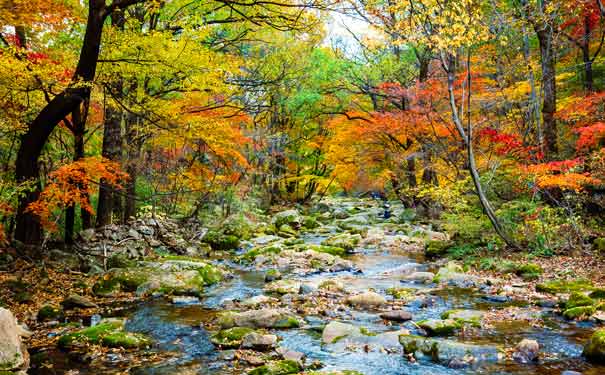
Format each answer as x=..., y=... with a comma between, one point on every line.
x=180, y=328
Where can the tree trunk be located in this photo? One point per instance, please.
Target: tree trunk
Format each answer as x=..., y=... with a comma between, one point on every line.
x=544, y=31
x=109, y=199
x=134, y=150
x=588, y=77
x=466, y=136
x=411, y=172
x=28, y=229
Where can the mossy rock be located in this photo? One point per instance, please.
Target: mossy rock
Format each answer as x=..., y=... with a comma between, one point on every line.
x=49, y=312
x=471, y=317
x=529, y=271
x=120, y=261
x=283, y=367
x=221, y=241
x=439, y=327
x=599, y=244
x=563, y=286
x=345, y=241
x=238, y=226
x=594, y=350
x=309, y=222
x=251, y=255
x=340, y=372
x=579, y=312
x=121, y=279
x=437, y=249
x=577, y=299
x=108, y=333
x=597, y=293
x=400, y=293
x=230, y=338
x=332, y=250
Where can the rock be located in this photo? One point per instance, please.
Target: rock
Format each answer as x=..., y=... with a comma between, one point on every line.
x=109, y=333
x=564, y=286
x=145, y=230
x=332, y=286
x=75, y=300
x=283, y=367
x=283, y=287
x=499, y=298
x=288, y=217
x=259, y=341
x=345, y=241
x=61, y=258
x=594, y=350
x=526, y=351
x=401, y=293
x=264, y=318
x=287, y=231
x=258, y=300
x=472, y=317
x=185, y=300
x=265, y=240
x=436, y=248
x=443, y=351
x=453, y=274
x=436, y=236
x=49, y=312
x=420, y=277
x=239, y=226
x=529, y=271
x=291, y=355
x=439, y=327
x=579, y=312
x=87, y=235
x=577, y=299
x=366, y=300
x=13, y=354
x=231, y=337
x=272, y=275
x=397, y=315
x=221, y=241
x=180, y=277
x=307, y=288
x=335, y=331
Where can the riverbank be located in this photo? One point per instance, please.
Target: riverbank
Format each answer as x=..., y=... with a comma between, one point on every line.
x=336, y=288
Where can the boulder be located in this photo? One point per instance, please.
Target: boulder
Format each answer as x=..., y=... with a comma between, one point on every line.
x=345, y=241
x=594, y=350
x=335, y=331
x=453, y=274
x=264, y=318
x=420, y=277
x=472, y=317
x=231, y=337
x=366, y=300
x=283, y=367
x=283, y=287
x=288, y=217
x=258, y=300
x=75, y=300
x=259, y=341
x=13, y=354
x=49, y=312
x=526, y=351
x=332, y=286
x=444, y=351
x=272, y=275
x=439, y=327
x=109, y=333
x=397, y=315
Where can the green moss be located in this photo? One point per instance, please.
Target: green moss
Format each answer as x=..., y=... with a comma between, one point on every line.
x=435, y=327
x=597, y=293
x=400, y=293
x=121, y=279
x=310, y=222
x=230, y=338
x=366, y=332
x=599, y=244
x=226, y=319
x=579, y=312
x=120, y=261
x=436, y=249
x=48, y=312
x=289, y=322
x=265, y=250
x=594, y=350
x=563, y=286
x=221, y=241
x=284, y=367
x=577, y=299
x=529, y=271
x=107, y=333
x=332, y=250
x=210, y=274
x=473, y=319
